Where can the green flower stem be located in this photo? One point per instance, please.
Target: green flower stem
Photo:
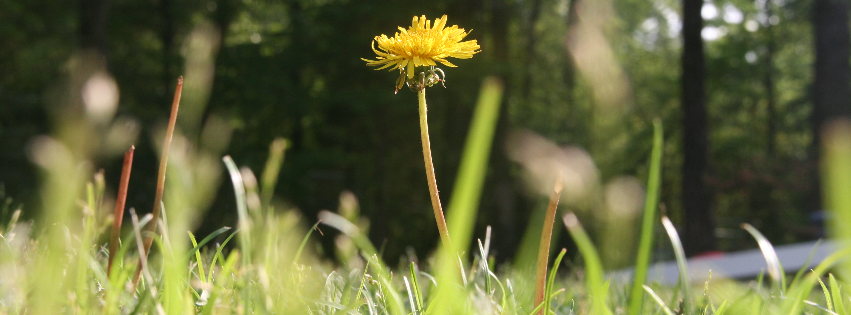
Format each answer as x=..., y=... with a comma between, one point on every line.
x=429, y=166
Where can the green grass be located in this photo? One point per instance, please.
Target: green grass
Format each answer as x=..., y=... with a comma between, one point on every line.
x=57, y=263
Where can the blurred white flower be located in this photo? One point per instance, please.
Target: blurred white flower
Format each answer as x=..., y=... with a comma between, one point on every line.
x=544, y=161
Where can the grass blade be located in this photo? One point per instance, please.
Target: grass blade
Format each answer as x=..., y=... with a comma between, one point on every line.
x=471, y=173
x=197, y=257
x=721, y=309
x=774, y=269
x=241, y=209
x=658, y=300
x=645, y=243
x=539, y=307
x=551, y=281
x=682, y=265
x=218, y=254
x=593, y=266
x=244, y=221
x=483, y=264
x=466, y=194
x=411, y=302
x=363, y=280
x=836, y=293
x=826, y=294
x=418, y=307
x=197, y=247
x=304, y=242
x=814, y=304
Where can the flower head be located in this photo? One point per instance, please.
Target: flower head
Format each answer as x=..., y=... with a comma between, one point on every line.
x=422, y=44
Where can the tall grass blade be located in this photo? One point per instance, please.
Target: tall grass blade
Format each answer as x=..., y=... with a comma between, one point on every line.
x=778, y=277
x=63, y=180
x=682, y=264
x=645, y=242
x=593, y=267
x=244, y=222
x=241, y=210
x=465, y=197
x=836, y=180
x=474, y=162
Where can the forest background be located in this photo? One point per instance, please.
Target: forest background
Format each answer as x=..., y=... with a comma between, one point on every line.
x=736, y=84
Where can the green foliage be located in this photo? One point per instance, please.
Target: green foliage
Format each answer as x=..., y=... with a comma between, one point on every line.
x=284, y=276
x=262, y=71
x=266, y=70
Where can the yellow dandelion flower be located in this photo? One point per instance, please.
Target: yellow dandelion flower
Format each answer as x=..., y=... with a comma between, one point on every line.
x=422, y=45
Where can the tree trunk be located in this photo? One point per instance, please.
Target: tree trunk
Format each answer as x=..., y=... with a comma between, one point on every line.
x=831, y=95
x=698, y=232
x=768, y=81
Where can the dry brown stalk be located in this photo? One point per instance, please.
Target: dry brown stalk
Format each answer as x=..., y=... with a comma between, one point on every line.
x=158, y=198
x=544, y=248
x=120, y=201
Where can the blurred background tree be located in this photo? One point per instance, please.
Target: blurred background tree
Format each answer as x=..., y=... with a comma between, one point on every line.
x=586, y=74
